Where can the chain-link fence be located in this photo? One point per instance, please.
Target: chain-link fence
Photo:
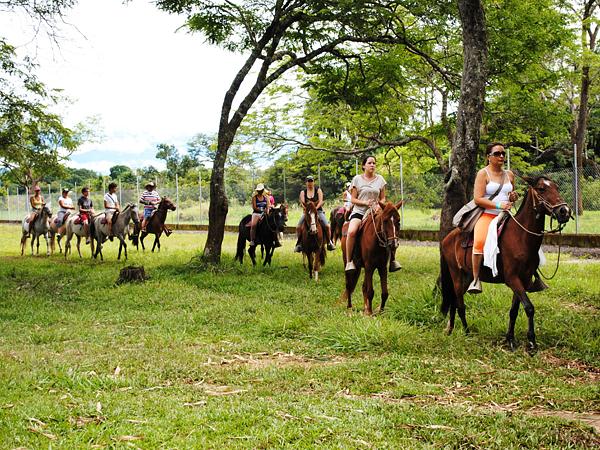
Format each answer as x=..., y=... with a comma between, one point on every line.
x=422, y=193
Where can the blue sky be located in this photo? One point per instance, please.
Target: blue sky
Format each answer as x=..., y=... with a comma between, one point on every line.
x=129, y=66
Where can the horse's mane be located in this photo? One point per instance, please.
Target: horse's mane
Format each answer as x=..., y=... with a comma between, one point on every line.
x=531, y=182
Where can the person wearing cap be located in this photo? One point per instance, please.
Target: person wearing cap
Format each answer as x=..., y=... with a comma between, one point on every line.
x=315, y=195
x=347, y=199
x=36, y=202
x=65, y=206
x=260, y=206
x=111, y=206
x=86, y=210
x=150, y=199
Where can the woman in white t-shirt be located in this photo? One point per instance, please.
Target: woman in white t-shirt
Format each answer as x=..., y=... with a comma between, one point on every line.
x=65, y=205
x=111, y=205
x=367, y=189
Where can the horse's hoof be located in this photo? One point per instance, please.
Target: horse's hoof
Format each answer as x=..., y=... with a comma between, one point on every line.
x=368, y=313
x=448, y=330
x=467, y=331
x=511, y=344
x=532, y=348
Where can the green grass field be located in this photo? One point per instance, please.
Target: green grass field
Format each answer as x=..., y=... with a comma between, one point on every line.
x=242, y=357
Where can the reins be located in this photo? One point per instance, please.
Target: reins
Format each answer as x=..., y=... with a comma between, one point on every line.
x=383, y=242
x=558, y=229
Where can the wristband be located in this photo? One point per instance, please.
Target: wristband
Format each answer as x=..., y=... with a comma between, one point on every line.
x=498, y=205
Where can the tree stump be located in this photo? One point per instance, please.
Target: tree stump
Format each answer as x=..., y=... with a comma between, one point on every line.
x=132, y=274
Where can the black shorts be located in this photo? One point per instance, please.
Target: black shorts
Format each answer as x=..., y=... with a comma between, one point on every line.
x=356, y=216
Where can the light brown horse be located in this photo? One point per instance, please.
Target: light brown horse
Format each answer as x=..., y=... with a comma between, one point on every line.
x=517, y=262
x=337, y=217
x=376, y=240
x=313, y=240
x=156, y=222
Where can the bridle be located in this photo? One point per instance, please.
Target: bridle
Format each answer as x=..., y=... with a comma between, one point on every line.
x=383, y=240
x=549, y=209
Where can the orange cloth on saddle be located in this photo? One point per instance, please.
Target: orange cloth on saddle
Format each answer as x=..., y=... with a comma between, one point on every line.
x=480, y=232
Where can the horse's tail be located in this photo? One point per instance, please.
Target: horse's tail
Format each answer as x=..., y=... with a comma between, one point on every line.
x=448, y=293
x=241, y=244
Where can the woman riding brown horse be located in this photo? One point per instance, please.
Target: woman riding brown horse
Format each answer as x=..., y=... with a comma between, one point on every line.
x=313, y=239
x=378, y=239
x=156, y=223
x=518, y=260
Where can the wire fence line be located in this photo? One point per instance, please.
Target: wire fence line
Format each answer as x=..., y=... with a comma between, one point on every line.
x=422, y=193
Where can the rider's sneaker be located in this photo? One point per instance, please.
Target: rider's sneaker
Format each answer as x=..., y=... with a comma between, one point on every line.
x=298, y=248
x=475, y=287
x=252, y=244
x=350, y=267
x=394, y=266
x=87, y=241
x=330, y=246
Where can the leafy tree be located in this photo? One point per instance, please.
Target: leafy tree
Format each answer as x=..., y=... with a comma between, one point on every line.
x=176, y=164
x=278, y=36
x=123, y=173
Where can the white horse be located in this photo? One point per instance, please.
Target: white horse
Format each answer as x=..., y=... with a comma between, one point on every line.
x=120, y=228
x=77, y=229
x=40, y=228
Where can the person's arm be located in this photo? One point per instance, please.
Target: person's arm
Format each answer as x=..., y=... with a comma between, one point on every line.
x=382, y=195
x=31, y=202
x=302, y=202
x=106, y=204
x=320, y=198
x=61, y=203
x=514, y=195
x=254, y=207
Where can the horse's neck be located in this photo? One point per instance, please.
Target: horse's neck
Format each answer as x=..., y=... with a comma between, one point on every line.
x=161, y=213
x=530, y=219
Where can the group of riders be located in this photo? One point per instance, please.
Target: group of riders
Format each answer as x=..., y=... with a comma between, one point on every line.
x=365, y=192
x=150, y=199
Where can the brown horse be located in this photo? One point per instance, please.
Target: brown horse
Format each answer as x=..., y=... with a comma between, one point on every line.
x=156, y=223
x=518, y=260
x=337, y=217
x=313, y=240
x=376, y=240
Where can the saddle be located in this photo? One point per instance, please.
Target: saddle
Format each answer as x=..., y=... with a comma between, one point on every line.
x=59, y=222
x=467, y=238
x=104, y=221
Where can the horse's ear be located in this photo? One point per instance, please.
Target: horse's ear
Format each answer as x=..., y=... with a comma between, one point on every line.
x=399, y=204
x=381, y=204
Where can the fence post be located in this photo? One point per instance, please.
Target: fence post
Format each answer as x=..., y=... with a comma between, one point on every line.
x=177, y=196
x=18, y=201
x=8, y=202
x=508, y=158
x=137, y=187
x=355, y=166
x=319, y=173
x=401, y=193
x=200, y=185
x=120, y=193
x=284, y=187
x=576, y=188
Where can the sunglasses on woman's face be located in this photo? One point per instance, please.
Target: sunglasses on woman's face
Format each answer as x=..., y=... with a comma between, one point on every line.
x=499, y=154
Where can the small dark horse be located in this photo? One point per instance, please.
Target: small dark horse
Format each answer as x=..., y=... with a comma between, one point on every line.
x=266, y=233
x=313, y=241
x=518, y=260
x=337, y=217
x=156, y=222
x=377, y=239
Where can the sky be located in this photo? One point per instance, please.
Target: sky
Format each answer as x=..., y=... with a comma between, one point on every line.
x=130, y=66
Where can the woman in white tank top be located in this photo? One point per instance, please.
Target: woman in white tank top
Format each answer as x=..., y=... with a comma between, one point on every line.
x=486, y=184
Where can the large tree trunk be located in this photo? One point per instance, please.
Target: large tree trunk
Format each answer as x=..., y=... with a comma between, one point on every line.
x=219, y=205
x=460, y=179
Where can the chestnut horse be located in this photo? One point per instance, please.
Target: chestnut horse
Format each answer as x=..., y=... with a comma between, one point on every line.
x=313, y=240
x=517, y=262
x=337, y=217
x=156, y=222
x=377, y=238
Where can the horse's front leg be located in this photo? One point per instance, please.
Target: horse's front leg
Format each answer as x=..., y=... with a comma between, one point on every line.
x=383, y=276
x=78, y=245
x=530, y=311
x=310, y=265
x=514, y=312
x=368, y=291
x=47, y=244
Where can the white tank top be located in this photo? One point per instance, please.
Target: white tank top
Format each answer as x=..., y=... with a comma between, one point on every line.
x=491, y=187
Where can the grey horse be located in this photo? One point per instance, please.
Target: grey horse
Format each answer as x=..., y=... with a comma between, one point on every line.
x=40, y=228
x=76, y=229
x=120, y=228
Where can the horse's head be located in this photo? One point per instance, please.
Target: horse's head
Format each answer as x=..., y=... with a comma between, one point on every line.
x=340, y=213
x=131, y=210
x=46, y=211
x=279, y=214
x=166, y=203
x=310, y=216
x=547, y=199
x=389, y=224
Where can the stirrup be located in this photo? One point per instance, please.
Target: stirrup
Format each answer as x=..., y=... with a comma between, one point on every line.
x=475, y=287
x=394, y=266
x=330, y=246
x=350, y=267
x=537, y=285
